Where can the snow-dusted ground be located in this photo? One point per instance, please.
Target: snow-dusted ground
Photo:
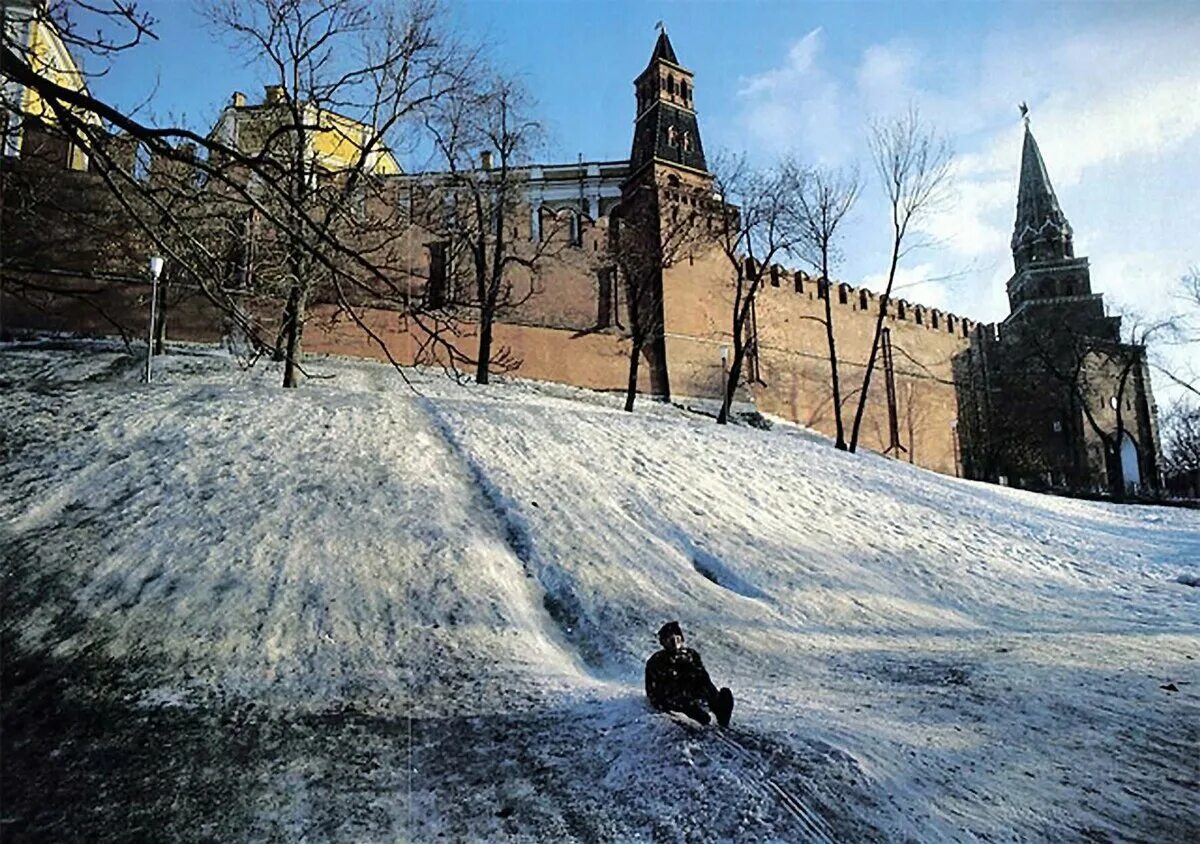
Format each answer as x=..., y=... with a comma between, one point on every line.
x=359, y=611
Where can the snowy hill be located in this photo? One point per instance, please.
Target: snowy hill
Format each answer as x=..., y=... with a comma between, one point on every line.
x=364, y=611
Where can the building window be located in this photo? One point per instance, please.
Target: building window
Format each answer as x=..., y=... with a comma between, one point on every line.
x=920, y=315
x=900, y=309
x=843, y=294
x=672, y=136
x=605, y=303
x=671, y=85
x=576, y=229
x=435, y=290
x=798, y=280
x=683, y=89
x=862, y=300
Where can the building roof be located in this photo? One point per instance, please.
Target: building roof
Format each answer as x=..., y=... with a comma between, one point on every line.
x=1039, y=217
x=663, y=49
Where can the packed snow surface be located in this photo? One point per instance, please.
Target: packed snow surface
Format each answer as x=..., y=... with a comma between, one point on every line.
x=369, y=610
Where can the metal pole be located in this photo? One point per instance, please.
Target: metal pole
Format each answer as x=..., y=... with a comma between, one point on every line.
x=156, y=265
x=724, y=376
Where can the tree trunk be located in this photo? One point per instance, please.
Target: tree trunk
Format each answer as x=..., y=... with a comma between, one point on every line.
x=840, y=444
x=631, y=390
x=866, y=387
x=735, y=373
x=1116, y=472
x=637, y=338
x=292, y=329
x=485, y=347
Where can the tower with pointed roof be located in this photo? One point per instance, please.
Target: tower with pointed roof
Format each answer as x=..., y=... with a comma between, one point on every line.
x=1046, y=271
x=666, y=132
x=1051, y=396
x=667, y=170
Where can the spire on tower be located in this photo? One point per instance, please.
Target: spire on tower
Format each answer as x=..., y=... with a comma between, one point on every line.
x=662, y=48
x=1042, y=232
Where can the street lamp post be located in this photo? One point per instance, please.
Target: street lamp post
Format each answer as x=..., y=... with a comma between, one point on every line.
x=156, y=266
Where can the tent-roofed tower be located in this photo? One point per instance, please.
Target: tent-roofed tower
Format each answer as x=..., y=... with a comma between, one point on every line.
x=1043, y=250
x=1042, y=232
x=1051, y=396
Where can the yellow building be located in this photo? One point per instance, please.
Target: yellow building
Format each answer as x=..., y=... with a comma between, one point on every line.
x=338, y=144
x=29, y=29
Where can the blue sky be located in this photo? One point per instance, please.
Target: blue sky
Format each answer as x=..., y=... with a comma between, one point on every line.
x=1114, y=91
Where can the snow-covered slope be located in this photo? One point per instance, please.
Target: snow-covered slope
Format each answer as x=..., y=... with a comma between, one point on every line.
x=364, y=611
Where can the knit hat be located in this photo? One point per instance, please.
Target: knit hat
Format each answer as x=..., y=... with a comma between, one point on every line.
x=671, y=628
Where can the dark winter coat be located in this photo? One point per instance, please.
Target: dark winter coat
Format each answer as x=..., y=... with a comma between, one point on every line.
x=677, y=681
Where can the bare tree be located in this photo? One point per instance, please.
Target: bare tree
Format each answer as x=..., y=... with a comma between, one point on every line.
x=755, y=225
x=1092, y=366
x=485, y=134
x=324, y=130
x=1184, y=334
x=823, y=199
x=914, y=169
x=349, y=75
x=1180, y=430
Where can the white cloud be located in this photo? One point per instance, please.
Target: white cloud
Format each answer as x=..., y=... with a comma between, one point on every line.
x=885, y=78
x=796, y=106
x=796, y=69
x=918, y=283
x=1115, y=107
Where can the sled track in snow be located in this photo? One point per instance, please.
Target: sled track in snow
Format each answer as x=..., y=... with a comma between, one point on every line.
x=560, y=603
x=813, y=824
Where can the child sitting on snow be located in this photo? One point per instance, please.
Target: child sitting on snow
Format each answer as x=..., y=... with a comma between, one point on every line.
x=677, y=682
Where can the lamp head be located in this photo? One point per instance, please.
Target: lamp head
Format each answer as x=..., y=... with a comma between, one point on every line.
x=156, y=266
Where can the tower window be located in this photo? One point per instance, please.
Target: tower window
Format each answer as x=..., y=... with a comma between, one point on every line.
x=604, y=317
x=671, y=85
x=672, y=136
x=683, y=90
x=435, y=292
x=687, y=141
